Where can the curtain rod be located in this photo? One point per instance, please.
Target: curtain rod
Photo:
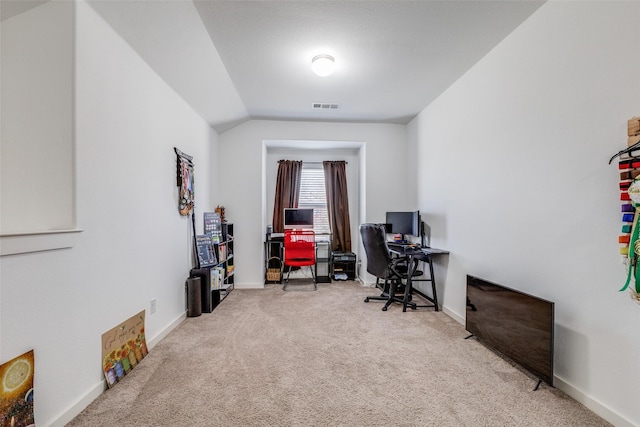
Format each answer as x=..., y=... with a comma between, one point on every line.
x=315, y=163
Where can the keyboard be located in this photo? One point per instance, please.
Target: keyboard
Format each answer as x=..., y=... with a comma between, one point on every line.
x=403, y=245
x=400, y=242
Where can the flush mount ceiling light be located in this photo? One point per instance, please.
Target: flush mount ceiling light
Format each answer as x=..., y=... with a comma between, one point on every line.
x=323, y=65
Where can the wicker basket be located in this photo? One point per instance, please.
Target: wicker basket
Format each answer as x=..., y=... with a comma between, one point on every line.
x=274, y=269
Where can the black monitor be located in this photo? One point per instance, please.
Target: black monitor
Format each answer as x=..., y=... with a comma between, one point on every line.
x=405, y=223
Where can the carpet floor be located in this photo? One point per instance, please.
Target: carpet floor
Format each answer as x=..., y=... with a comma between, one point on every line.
x=265, y=357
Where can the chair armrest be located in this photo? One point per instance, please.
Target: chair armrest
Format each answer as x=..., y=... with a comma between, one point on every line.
x=400, y=266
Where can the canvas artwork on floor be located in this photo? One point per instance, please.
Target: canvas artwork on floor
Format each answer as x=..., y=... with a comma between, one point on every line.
x=123, y=347
x=16, y=391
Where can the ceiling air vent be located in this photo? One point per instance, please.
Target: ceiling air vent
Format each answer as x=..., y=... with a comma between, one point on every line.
x=325, y=106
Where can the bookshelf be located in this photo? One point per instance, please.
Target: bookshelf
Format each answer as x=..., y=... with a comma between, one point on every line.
x=229, y=259
x=216, y=262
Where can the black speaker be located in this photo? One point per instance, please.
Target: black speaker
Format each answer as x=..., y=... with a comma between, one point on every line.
x=209, y=298
x=194, y=298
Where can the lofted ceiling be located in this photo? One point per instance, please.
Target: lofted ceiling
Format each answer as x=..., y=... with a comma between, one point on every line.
x=392, y=57
x=239, y=60
x=11, y=8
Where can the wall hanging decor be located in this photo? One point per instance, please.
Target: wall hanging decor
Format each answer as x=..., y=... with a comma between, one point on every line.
x=629, y=169
x=185, y=181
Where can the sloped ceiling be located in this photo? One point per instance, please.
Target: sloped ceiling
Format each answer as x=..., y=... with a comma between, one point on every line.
x=171, y=38
x=393, y=57
x=11, y=8
x=236, y=60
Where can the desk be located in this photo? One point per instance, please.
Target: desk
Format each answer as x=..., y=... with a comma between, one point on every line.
x=415, y=254
x=274, y=248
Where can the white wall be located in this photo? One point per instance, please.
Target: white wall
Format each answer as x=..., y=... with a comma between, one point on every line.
x=510, y=173
x=37, y=120
x=241, y=171
x=513, y=179
x=314, y=156
x=135, y=246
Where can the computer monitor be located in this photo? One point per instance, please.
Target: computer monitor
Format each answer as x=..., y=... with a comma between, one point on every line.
x=405, y=223
x=298, y=218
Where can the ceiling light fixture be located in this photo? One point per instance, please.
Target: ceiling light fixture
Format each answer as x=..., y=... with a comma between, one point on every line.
x=323, y=65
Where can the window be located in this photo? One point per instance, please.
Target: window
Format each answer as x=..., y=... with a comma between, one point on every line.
x=313, y=195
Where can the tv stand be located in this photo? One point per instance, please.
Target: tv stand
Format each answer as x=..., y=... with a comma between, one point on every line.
x=343, y=265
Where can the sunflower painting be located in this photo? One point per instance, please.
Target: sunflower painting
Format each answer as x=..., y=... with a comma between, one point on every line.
x=123, y=347
x=16, y=391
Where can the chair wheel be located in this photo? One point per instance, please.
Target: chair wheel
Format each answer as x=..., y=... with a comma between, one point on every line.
x=366, y=300
x=384, y=308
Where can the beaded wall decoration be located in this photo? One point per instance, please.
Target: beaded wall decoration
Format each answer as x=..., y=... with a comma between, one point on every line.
x=185, y=181
x=629, y=237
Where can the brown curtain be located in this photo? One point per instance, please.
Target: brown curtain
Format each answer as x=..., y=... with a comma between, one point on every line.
x=287, y=191
x=335, y=180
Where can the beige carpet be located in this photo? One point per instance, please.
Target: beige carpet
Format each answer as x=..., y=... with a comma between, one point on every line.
x=325, y=358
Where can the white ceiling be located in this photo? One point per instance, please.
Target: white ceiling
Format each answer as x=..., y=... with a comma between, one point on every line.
x=393, y=57
x=10, y=8
x=239, y=60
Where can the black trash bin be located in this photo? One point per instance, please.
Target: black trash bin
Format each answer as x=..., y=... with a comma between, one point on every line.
x=194, y=300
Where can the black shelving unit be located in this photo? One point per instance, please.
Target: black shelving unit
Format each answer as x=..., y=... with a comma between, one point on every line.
x=229, y=263
x=274, y=256
x=323, y=262
x=343, y=263
x=213, y=291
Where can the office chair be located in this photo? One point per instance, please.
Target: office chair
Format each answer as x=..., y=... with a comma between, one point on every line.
x=380, y=263
x=299, y=251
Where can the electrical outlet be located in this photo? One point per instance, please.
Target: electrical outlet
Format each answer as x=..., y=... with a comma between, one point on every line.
x=153, y=305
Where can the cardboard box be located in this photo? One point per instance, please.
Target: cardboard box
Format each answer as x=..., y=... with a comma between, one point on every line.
x=633, y=140
x=634, y=126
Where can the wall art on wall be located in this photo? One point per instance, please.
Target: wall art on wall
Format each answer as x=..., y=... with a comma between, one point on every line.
x=185, y=181
x=16, y=391
x=123, y=347
x=629, y=237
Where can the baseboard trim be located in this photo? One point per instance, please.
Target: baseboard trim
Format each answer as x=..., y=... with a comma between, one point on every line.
x=453, y=315
x=250, y=285
x=93, y=393
x=75, y=409
x=577, y=395
x=589, y=402
x=164, y=332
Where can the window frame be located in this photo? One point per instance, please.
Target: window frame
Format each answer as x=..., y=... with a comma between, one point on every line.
x=320, y=212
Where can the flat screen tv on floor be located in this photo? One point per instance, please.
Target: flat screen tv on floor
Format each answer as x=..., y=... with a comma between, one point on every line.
x=516, y=325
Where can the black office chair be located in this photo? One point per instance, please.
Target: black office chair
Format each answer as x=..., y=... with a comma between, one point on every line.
x=380, y=263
